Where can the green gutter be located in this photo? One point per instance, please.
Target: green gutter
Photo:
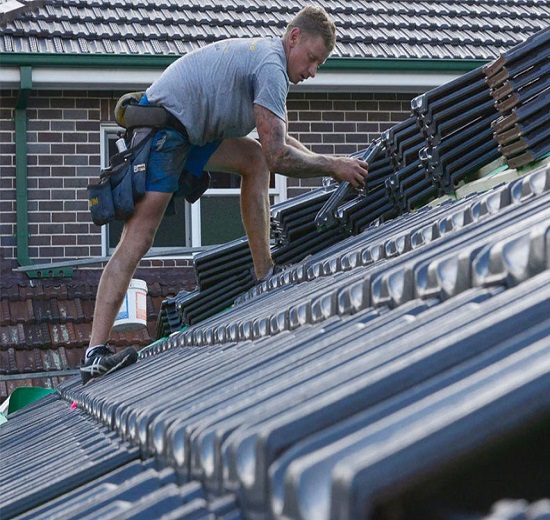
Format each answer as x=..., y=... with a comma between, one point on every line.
x=21, y=179
x=161, y=62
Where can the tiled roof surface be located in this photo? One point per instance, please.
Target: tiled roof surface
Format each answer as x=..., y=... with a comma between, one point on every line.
x=371, y=385
x=447, y=29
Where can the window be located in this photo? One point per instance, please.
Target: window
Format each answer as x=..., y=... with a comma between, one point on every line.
x=214, y=219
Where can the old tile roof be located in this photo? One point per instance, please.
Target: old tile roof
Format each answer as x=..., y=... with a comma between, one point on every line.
x=447, y=29
x=45, y=326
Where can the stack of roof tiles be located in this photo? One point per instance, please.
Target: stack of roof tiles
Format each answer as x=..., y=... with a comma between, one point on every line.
x=223, y=273
x=371, y=204
x=448, y=137
x=520, y=86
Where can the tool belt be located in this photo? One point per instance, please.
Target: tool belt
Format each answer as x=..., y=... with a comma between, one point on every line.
x=122, y=184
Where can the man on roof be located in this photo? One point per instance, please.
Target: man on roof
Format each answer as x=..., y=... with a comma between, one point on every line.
x=218, y=94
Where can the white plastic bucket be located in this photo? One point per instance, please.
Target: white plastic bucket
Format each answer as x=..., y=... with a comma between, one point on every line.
x=132, y=315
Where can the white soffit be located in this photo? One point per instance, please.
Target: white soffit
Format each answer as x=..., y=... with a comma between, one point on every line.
x=131, y=79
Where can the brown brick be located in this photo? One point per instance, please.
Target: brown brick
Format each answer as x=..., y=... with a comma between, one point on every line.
x=87, y=103
x=75, y=137
x=298, y=105
x=345, y=127
x=310, y=116
x=63, y=149
x=356, y=116
x=322, y=105
x=322, y=148
x=322, y=127
x=50, y=160
x=63, y=126
x=333, y=116
x=50, y=137
x=390, y=106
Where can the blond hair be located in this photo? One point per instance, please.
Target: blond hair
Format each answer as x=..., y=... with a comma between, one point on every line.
x=314, y=20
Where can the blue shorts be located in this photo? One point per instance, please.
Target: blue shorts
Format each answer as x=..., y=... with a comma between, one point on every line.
x=170, y=154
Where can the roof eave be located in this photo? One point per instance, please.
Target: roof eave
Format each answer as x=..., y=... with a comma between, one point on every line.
x=126, y=72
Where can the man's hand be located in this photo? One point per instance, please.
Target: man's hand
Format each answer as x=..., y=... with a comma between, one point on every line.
x=351, y=170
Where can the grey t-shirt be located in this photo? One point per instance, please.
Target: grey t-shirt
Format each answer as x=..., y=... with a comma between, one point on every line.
x=212, y=90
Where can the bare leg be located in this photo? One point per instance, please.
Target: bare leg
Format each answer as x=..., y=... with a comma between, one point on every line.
x=137, y=237
x=245, y=157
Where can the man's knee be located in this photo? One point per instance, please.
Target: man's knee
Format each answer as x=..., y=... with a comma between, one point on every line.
x=255, y=162
x=136, y=240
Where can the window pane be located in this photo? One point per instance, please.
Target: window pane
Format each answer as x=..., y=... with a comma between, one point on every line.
x=171, y=232
x=220, y=219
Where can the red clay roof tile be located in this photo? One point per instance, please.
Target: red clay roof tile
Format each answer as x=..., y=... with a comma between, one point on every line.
x=82, y=333
x=42, y=311
x=46, y=325
x=61, y=335
x=87, y=308
x=25, y=361
x=67, y=310
x=12, y=335
x=4, y=361
x=38, y=335
x=4, y=313
x=21, y=311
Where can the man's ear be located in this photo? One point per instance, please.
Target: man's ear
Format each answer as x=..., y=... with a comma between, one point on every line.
x=294, y=36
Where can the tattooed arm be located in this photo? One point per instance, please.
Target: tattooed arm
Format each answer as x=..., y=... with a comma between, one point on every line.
x=287, y=156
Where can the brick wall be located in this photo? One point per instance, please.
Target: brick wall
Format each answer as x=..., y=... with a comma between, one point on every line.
x=64, y=156
x=341, y=123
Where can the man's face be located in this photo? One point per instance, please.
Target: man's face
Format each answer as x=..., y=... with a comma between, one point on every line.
x=305, y=54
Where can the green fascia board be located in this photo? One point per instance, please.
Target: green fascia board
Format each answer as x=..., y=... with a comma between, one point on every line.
x=403, y=64
x=161, y=62
x=84, y=60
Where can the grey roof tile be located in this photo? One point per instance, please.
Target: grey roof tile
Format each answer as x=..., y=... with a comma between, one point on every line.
x=410, y=29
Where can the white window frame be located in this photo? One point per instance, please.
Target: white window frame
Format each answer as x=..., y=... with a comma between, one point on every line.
x=192, y=211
